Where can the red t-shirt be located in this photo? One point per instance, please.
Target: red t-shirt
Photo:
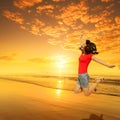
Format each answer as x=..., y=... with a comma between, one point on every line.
x=84, y=61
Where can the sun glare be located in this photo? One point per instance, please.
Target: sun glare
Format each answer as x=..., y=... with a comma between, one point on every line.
x=60, y=65
x=60, y=62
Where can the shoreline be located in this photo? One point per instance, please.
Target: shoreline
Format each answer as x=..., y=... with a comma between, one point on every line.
x=19, y=101
x=113, y=88
x=107, y=77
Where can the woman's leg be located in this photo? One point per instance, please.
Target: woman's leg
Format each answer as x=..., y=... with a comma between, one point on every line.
x=77, y=89
x=93, y=87
x=89, y=90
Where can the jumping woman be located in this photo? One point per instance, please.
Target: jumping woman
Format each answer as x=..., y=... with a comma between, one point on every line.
x=88, y=51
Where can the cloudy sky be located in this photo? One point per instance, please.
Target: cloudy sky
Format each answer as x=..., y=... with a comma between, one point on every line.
x=43, y=36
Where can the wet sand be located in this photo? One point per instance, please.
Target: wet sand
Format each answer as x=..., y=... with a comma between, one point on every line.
x=21, y=101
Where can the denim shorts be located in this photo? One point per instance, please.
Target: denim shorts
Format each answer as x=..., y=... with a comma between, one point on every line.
x=83, y=80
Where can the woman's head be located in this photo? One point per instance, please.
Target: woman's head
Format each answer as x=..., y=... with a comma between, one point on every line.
x=89, y=48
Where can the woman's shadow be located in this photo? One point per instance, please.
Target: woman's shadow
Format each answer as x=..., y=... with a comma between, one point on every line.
x=95, y=117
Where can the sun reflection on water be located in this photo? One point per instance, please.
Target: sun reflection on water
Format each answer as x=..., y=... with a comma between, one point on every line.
x=59, y=87
x=58, y=91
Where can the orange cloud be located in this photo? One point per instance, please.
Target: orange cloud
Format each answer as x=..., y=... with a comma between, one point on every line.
x=105, y=1
x=54, y=41
x=53, y=31
x=40, y=60
x=72, y=41
x=70, y=47
x=80, y=12
x=73, y=12
x=117, y=20
x=49, y=8
x=105, y=24
x=49, y=59
x=58, y=0
x=14, y=16
x=35, y=26
x=8, y=57
x=63, y=24
x=25, y=3
x=35, y=29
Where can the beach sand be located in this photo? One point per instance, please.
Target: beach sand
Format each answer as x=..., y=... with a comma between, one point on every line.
x=21, y=101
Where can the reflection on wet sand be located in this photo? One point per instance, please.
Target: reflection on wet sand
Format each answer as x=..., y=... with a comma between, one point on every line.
x=95, y=117
x=27, y=101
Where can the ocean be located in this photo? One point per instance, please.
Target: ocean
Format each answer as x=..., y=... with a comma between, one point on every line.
x=110, y=85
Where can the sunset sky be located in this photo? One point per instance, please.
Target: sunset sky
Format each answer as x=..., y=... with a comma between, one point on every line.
x=43, y=36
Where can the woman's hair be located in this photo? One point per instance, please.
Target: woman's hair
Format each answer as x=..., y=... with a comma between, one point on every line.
x=90, y=48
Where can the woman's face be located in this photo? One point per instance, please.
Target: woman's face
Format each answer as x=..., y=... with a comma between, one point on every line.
x=83, y=47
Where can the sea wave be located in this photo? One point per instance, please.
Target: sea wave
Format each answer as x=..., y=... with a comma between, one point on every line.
x=107, y=87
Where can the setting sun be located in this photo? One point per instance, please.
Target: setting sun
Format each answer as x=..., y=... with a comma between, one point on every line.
x=60, y=62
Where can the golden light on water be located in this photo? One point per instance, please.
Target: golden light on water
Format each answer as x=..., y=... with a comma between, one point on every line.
x=59, y=87
x=58, y=91
x=60, y=84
